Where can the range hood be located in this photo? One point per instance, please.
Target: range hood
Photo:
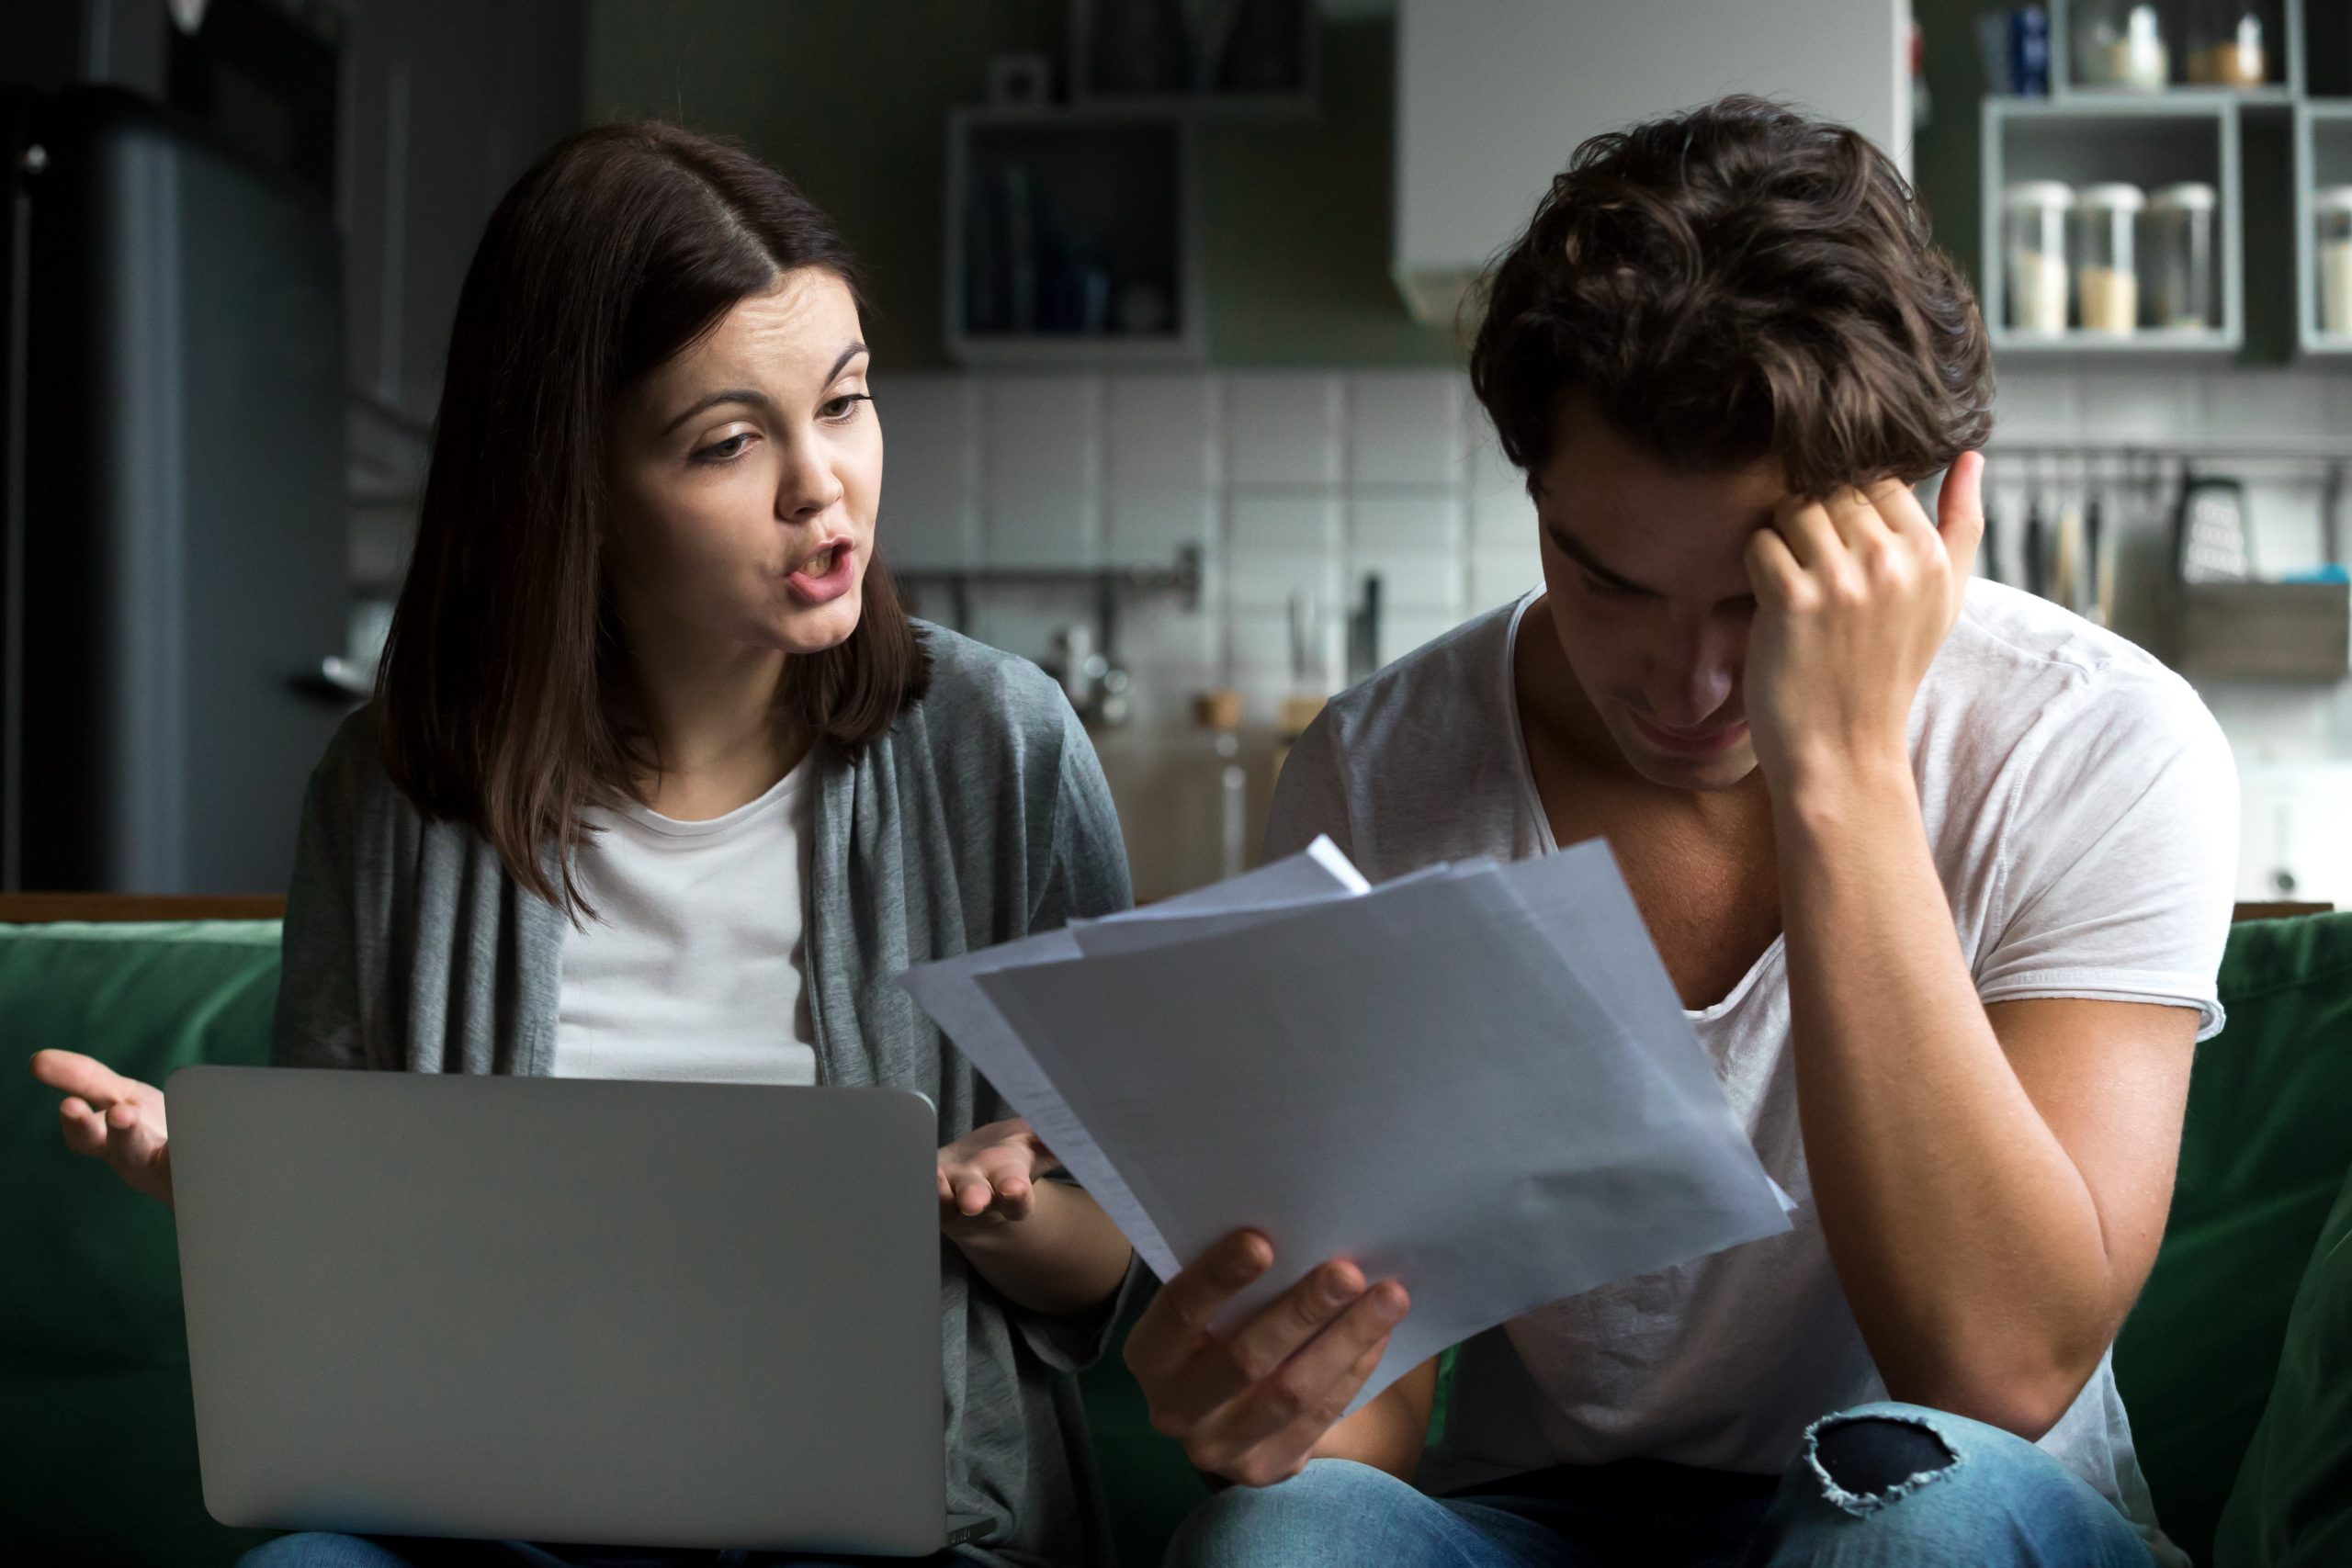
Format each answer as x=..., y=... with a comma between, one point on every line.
x=1493, y=96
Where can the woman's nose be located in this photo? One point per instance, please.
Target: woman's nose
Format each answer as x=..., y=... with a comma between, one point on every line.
x=809, y=484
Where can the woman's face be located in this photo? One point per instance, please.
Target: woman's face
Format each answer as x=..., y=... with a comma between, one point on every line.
x=746, y=474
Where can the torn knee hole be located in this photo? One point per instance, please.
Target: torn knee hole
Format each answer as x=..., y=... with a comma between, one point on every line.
x=1868, y=1461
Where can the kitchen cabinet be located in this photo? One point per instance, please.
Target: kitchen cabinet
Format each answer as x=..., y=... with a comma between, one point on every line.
x=1493, y=98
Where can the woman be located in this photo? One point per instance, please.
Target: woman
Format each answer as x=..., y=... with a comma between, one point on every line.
x=660, y=781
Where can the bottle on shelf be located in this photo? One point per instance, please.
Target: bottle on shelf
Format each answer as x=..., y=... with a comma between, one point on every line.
x=2120, y=43
x=2229, y=43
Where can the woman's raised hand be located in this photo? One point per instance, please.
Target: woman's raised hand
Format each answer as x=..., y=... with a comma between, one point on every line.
x=990, y=1176
x=117, y=1119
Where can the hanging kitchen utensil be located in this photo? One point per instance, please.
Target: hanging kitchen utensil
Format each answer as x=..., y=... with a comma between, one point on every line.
x=2211, y=541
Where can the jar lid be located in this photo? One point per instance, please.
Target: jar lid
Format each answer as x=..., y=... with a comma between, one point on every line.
x=2115, y=197
x=2190, y=196
x=2335, y=198
x=2038, y=193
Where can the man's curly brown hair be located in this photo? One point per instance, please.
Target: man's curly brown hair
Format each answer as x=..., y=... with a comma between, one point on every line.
x=1736, y=283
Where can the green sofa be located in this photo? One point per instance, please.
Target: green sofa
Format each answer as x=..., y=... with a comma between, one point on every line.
x=97, y=1455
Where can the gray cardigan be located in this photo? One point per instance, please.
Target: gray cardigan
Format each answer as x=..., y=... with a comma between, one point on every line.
x=981, y=817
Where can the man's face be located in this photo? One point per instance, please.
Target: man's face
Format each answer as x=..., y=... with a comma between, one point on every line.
x=1647, y=592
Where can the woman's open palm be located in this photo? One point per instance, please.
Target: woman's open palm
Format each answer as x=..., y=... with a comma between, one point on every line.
x=117, y=1119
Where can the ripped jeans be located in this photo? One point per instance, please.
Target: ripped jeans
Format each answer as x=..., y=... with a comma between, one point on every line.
x=1879, y=1486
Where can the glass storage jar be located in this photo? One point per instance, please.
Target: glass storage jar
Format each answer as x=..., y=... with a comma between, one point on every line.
x=2107, y=272
x=2177, y=256
x=2332, y=216
x=2033, y=248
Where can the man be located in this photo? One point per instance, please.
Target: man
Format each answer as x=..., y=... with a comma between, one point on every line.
x=1940, y=870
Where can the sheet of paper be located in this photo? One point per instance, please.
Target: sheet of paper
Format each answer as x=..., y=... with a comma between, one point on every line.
x=1412, y=1077
x=949, y=992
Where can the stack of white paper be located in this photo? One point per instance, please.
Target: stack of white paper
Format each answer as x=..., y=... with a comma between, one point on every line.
x=1475, y=1080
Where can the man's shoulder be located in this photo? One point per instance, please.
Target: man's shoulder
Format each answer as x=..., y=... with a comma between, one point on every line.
x=2029, y=672
x=1457, y=679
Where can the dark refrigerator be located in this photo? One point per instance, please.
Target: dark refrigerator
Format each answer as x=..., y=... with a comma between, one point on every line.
x=174, y=571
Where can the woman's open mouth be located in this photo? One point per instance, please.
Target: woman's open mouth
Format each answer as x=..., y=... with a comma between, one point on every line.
x=827, y=575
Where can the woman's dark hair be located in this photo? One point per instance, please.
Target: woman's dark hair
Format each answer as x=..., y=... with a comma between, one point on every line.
x=503, y=696
x=1736, y=283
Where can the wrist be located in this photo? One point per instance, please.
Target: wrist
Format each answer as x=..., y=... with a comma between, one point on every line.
x=1825, y=792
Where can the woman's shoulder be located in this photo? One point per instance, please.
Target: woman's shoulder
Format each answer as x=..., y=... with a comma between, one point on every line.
x=351, y=793
x=983, y=703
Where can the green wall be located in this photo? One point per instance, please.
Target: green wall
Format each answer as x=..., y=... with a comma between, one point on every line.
x=850, y=99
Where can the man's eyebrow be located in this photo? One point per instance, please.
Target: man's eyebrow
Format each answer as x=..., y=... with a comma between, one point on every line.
x=757, y=400
x=1586, y=559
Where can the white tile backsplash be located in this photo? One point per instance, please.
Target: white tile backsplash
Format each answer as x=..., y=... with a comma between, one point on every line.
x=1415, y=544
x=1148, y=527
x=1402, y=428
x=1503, y=520
x=1282, y=427
x=2150, y=405
x=1161, y=434
x=1283, y=522
x=2267, y=405
x=929, y=514
x=1040, y=459
x=1304, y=481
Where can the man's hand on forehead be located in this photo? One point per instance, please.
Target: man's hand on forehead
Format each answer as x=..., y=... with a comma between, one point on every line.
x=1854, y=595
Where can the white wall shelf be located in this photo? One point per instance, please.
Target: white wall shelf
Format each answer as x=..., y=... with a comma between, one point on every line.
x=2148, y=140
x=2286, y=58
x=2323, y=158
x=1266, y=65
x=1071, y=238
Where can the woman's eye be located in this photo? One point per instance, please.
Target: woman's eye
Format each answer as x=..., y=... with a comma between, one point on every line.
x=1600, y=586
x=846, y=406
x=724, y=451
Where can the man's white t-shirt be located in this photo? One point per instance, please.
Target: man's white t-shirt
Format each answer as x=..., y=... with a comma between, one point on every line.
x=2082, y=810
x=692, y=970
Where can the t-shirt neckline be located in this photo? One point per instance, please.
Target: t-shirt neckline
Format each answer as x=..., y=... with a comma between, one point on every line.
x=645, y=817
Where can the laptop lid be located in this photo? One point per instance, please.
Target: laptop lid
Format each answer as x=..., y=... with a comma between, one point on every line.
x=645, y=1313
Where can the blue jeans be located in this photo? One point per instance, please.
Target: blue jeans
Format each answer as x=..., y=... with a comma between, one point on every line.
x=312, y=1548
x=1878, y=1486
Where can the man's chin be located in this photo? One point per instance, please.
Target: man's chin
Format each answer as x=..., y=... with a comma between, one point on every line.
x=1726, y=769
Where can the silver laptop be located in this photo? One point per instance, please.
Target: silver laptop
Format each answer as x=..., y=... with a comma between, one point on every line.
x=559, y=1310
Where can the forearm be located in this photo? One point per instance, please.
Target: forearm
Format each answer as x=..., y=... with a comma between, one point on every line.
x=1390, y=1431
x=1968, y=1243
x=1065, y=1258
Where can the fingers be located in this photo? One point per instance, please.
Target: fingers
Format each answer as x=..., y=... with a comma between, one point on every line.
x=1172, y=1328
x=1809, y=532
x=1264, y=1435
x=70, y=1072
x=134, y=1145
x=1959, y=512
x=1285, y=1454
x=85, y=1129
x=1773, y=568
x=1224, y=1368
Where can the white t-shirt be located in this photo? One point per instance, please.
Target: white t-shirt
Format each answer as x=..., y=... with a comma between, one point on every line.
x=692, y=970
x=2081, y=809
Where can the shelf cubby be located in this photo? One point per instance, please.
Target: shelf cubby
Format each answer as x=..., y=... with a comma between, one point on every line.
x=1070, y=238
x=2322, y=159
x=2147, y=140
